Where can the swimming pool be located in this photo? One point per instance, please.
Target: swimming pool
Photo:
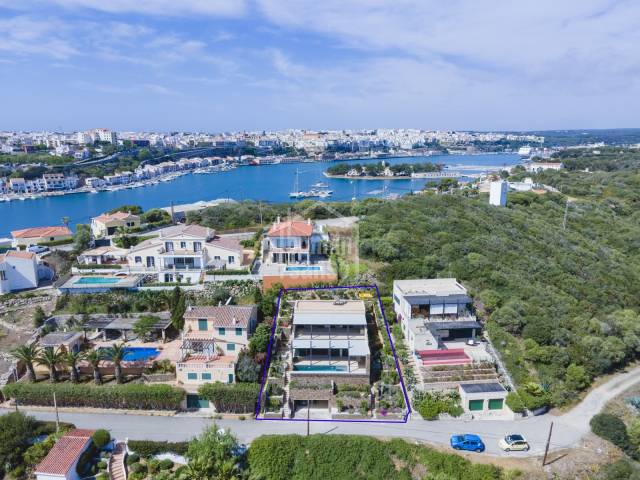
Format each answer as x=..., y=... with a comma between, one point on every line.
x=320, y=368
x=305, y=268
x=137, y=354
x=96, y=280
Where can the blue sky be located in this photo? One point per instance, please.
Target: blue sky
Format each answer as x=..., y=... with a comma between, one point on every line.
x=226, y=65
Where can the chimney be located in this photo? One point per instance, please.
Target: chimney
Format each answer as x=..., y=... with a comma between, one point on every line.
x=308, y=221
x=278, y=219
x=235, y=322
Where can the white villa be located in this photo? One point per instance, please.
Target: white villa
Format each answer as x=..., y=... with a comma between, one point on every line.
x=291, y=242
x=18, y=271
x=184, y=252
x=212, y=338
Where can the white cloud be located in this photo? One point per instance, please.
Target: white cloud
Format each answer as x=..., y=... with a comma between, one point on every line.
x=23, y=36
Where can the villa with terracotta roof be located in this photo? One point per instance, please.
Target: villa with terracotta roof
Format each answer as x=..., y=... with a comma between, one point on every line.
x=185, y=252
x=37, y=235
x=18, y=271
x=62, y=459
x=212, y=338
x=291, y=242
x=109, y=223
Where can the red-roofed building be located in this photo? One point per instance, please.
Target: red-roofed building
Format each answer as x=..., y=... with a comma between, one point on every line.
x=108, y=223
x=62, y=459
x=291, y=242
x=36, y=235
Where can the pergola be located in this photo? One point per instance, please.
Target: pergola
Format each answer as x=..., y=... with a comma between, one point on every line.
x=123, y=325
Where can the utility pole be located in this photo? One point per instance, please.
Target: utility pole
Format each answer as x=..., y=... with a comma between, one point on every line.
x=546, y=448
x=566, y=211
x=55, y=405
x=308, y=414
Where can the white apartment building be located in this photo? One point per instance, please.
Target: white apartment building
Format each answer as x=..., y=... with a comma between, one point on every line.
x=58, y=181
x=184, y=252
x=105, y=135
x=498, y=193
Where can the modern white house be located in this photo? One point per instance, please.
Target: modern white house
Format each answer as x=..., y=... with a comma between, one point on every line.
x=184, y=252
x=62, y=460
x=212, y=338
x=18, y=271
x=433, y=312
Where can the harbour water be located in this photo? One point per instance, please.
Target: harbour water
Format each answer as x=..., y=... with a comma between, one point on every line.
x=268, y=183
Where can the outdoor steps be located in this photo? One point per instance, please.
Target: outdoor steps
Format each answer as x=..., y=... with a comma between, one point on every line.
x=287, y=381
x=117, y=469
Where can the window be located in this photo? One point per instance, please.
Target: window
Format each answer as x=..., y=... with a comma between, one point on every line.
x=197, y=246
x=202, y=324
x=183, y=245
x=230, y=378
x=396, y=299
x=192, y=376
x=238, y=331
x=3, y=275
x=206, y=376
x=217, y=257
x=231, y=259
x=137, y=259
x=221, y=331
x=476, y=405
x=231, y=347
x=168, y=246
x=495, y=403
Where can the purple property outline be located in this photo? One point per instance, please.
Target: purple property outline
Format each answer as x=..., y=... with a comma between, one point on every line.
x=268, y=359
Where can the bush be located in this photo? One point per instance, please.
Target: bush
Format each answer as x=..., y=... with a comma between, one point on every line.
x=231, y=398
x=102, y=476
x=514, y=402
x=153, y=465
x=166, y=464
x=132, y=396
x=148, y=448
x=54, y=243
x=138, y=468
x=95, y=266
x=611, y=428
x=132, y=458
x=102, y=465
x=101, y=438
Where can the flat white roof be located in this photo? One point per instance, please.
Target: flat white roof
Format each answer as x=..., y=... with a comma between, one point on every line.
x=436, y=287
x=329, y=312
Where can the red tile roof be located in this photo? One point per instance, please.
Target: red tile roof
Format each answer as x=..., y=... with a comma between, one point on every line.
x=224, y=316
x=19, y=254
x=65, y=453
x=291, y=229
x=37, y=232
x=105, y=217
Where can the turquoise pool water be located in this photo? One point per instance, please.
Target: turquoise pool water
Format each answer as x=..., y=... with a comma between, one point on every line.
x=96, y=280
x=137, y=354
x=302, y=269
x=320, y=368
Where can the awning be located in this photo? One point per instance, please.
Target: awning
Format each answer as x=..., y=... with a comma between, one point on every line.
x=356, y=347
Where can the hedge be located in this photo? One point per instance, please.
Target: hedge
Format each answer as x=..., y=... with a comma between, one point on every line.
x=231, y=398
x=148, y=448
x=227, y=272
x=54, y=243
x=133, y=396
x=97, y=266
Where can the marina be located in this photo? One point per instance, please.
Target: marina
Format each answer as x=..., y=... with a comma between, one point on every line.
x=269, y=183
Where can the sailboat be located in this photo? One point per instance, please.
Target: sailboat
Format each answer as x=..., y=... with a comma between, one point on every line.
x=296, y=188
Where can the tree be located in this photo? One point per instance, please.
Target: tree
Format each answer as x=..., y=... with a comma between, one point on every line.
x=576, y=377
x=82, y=237
x=94, y=357
x=39, y=317
x=133, y=209
x=177, y=312
x=51, y=358
x=16, y=432
x=247, y=369
x=211, y=457
x=144, y=325
x=260, y=339
x=634, y=432
x=610, y=428
x=27, y=354
x=101, y=438
x=116, y=354
x=71, y=359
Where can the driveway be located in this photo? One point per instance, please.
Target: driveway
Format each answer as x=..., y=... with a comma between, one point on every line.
x=568, y=430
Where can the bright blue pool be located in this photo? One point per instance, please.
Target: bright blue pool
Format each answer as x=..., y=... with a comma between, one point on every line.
x=138, y=354
x=96, y=280
x=320, y=368
x=305, y=268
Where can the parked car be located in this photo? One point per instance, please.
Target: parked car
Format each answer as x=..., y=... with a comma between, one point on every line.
x=37, y=249
x=467, y=441
x=514, y=442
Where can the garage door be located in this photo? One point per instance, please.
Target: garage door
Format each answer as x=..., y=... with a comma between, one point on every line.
x=475, y=405
x=495, y=404
x=194, y=401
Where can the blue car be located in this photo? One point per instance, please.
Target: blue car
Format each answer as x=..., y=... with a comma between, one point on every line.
x=469, y=442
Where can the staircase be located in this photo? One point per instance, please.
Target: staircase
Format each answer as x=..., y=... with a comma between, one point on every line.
x=117, y=470
x=287, y=381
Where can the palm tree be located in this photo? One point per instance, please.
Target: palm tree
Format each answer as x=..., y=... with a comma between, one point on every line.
x=50, y=358
x=94, y=357
x=71, y=359
x=27, y=354
x=116, y=354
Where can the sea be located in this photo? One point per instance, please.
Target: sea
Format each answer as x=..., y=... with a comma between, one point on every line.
x=267, y=183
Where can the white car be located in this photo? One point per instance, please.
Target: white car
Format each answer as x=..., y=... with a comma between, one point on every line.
x=514, y=443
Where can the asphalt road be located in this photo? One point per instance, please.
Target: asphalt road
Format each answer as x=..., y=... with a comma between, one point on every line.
x=568, y=429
